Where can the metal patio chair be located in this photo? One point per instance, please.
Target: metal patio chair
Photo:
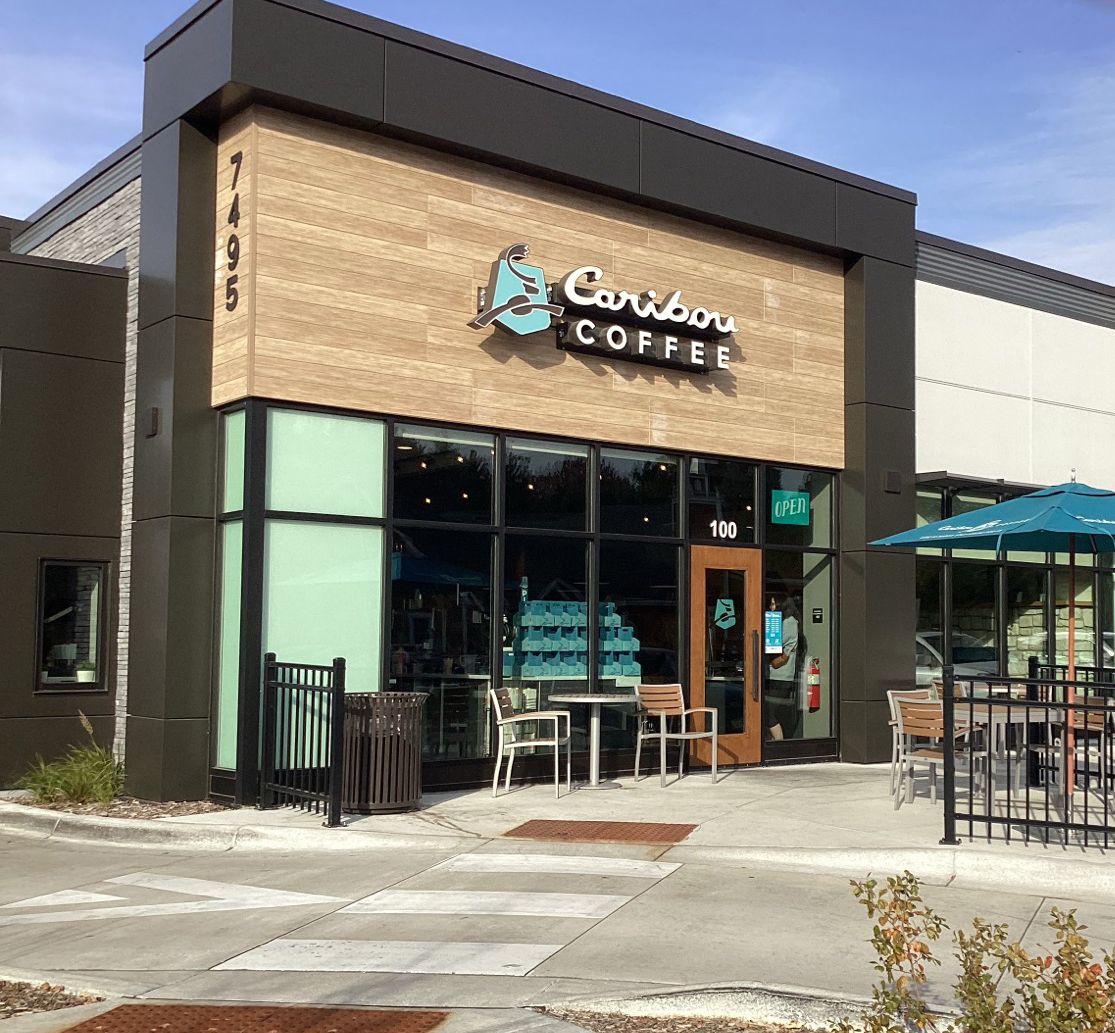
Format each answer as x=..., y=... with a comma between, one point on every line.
x=664, y=702
x=506, y=717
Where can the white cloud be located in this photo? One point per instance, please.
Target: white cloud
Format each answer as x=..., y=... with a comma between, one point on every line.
x=1045, y=194
x=60, y=115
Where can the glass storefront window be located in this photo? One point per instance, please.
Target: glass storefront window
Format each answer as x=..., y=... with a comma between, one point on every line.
x=545, y=484
x=320, y=463
x=228, y=644
x=969, y=502
x=721, y=500
x=233, y=426
x=441, y=634
x=637, y=625
x=929, y=504
x=1026, y=620
x=71, y=618
x=1105, y=620
x=800, y=585
x=323, y=597
x=929, y=638
x=545, y=621
x=443, y=475
x=798, y=507
x=638, y=493
x=1084, y=618
x=975, y=619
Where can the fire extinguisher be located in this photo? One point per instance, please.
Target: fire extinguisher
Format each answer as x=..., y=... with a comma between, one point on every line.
x=813, y=685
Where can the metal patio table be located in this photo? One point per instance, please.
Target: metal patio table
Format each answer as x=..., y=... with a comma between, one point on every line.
x=595, y=701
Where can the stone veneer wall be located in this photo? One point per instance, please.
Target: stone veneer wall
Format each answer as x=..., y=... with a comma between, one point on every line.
x=103, y=231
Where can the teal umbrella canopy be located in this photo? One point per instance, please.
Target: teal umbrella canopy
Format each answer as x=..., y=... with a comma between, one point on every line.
x=1056, y=519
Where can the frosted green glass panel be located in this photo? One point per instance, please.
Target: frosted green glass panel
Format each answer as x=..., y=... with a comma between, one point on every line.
x=323, y=597
x=319, y=463
x=228, y=671
x=232, y=488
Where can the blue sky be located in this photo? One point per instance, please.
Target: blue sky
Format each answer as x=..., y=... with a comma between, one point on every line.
x=999, y=114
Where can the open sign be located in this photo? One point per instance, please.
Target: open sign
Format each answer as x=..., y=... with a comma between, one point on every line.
x=789, y=507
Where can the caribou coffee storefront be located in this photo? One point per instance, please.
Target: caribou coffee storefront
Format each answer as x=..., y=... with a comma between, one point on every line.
x=516, y=434
x=565, y=398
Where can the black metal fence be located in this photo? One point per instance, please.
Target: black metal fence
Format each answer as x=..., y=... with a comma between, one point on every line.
x=1029, y=758
x=301, y=745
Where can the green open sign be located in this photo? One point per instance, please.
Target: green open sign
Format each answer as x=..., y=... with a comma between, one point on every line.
x=789, y=507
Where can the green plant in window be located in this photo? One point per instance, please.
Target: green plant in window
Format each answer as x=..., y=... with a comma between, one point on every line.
x=86, y=774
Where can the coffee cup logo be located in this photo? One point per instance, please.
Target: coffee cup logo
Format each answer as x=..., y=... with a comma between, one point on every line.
x=516, y=298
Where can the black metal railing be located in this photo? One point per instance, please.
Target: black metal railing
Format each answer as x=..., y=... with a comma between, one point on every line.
x=1029, y=758
x=1060, y=672
x=302, y=740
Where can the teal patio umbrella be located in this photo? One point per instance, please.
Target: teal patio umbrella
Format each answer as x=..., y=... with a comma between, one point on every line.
x=1070, y=518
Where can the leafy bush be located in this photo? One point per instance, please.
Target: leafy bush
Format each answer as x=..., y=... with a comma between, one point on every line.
x=86, y=774
x=1065, y=992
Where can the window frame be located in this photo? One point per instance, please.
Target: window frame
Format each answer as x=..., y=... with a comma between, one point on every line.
x=101, y=683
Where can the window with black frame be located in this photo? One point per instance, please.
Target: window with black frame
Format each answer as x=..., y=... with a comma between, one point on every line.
x=638, y=493
x=545, y=620
x=721, y=500
x=71, y=623
x=442, y=474
x=545, y=484
x=441, y=633
x=637, y=626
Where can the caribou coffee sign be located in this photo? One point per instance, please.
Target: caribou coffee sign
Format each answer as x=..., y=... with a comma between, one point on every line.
x=645, y=327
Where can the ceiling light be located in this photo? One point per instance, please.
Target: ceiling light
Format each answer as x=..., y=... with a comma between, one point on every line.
x=427, y=502
x=423, y=464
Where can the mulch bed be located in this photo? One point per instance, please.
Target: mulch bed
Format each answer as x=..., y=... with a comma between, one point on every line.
x=25, y=998
x=131, y=808
x=607, y=1023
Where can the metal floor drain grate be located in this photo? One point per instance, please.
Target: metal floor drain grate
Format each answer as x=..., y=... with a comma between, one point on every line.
x=193, y=1018
x=601, y=831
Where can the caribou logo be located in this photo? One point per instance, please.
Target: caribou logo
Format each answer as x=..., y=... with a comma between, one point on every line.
x=516, y=298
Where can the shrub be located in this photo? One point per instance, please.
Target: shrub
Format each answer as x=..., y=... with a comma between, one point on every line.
x=86, y=774
x=1057, y=993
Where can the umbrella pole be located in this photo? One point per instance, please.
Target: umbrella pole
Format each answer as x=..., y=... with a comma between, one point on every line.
x=1070, y=694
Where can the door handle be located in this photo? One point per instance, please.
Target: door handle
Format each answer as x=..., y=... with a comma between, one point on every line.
x=755, y=666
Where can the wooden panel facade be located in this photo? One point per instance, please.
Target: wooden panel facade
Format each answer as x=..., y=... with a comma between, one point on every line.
x=361, y=257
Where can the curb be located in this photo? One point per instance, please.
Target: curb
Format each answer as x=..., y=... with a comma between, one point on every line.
x=154, y=832
x=961, y=866
x=773, y=1005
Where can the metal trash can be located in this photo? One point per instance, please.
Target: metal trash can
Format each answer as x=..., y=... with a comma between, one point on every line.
x=383, y=752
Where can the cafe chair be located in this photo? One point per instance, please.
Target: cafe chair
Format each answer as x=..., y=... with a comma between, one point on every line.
x=506, y=717
x=664, y=702
x=893, y=696
x=921, y=737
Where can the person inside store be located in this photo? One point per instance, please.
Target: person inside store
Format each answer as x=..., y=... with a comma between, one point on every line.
x=783, y=674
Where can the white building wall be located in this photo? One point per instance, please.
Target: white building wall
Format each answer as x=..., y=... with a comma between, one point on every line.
x=1007, y=391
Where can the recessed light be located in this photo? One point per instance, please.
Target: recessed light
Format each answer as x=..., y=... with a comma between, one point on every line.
x=460, y=459
x=530, y=487
x=464, y=494
x=423, y=464
x=662, y=467
x=427, y=502
x=646, y=520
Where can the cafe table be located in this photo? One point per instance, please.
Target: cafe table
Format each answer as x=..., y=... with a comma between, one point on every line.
x=595, y=700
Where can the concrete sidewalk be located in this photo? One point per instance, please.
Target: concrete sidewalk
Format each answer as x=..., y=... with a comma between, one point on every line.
x=836, y=819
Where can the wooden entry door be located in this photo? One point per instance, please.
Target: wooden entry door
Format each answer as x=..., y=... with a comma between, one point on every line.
x=725, y=624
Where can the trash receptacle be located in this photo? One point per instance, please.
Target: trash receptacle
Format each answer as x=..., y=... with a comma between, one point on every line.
x=383, y=751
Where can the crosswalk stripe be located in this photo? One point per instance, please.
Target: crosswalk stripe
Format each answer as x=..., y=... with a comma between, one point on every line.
x=476, y=902
x=558, y=864
x=432, y=958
